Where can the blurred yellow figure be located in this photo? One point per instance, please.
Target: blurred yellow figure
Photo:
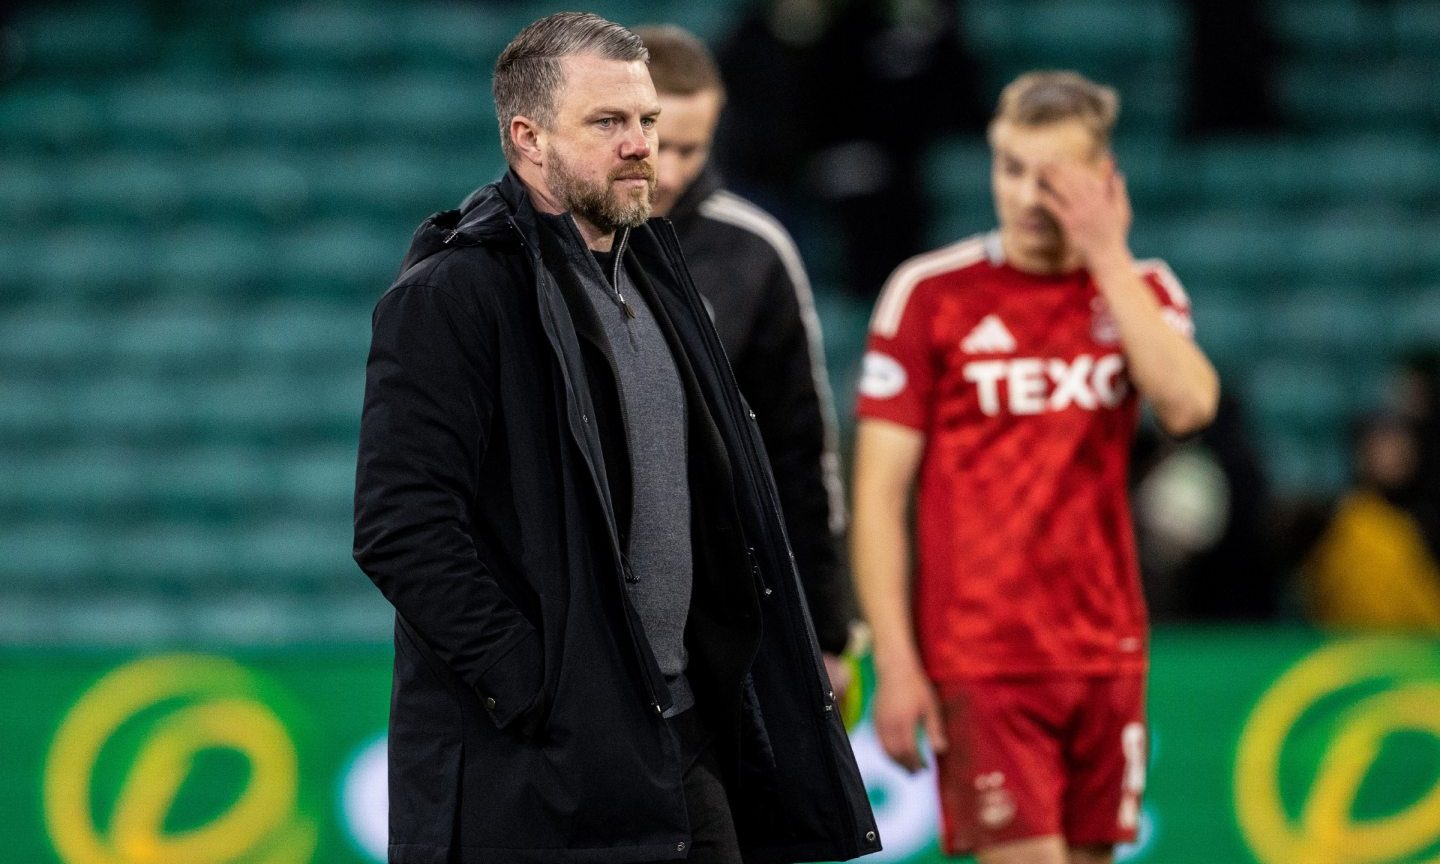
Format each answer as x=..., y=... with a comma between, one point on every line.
x=1374, y=567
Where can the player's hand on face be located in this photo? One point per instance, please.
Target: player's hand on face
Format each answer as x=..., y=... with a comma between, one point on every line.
x=1091, y=205
x=905, y=702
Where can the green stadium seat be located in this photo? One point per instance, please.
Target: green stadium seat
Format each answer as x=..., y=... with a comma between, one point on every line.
x=1298, y=465
x=31, y=413
x=319, y=479
x=451, y=35
x=68, y=482
x=27, y=188
x=1329, y=323
x=207, y=258
x=1225, y=326
x=196, y=220
x=326, y=34
x=47, y=554
x=315, y=108
x=78, y=261
x=60, y=115
x=50, y=338
x=1395, y=96
x=429, y=106
x=400, y=182
x=1329, y=28
x=1416, y=319
x=235, y=183
x=298, y=553
x=139, y=187
x=1389, y=169
x=1071, y=31
x=85, y=39
x=1414, y=28
x=341, y=258
x=126, y=619
x=192, y=334
x=166, y=110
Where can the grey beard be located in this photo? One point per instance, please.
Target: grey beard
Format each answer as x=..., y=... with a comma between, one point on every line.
x=594, y=202
x=605, y=213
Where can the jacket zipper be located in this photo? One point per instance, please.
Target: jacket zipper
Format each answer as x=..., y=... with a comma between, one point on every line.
x=620, y=562
x=615, y=275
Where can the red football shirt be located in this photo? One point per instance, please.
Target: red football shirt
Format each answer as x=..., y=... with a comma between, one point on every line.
x=1025, y=554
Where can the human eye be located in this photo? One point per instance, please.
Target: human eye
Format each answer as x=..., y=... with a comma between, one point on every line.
x=647, y=122
x=605, y=122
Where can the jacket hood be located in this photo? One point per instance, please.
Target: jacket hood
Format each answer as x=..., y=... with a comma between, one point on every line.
x=496, y=213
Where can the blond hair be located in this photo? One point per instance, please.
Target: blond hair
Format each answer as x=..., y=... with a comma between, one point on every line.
x=1045, y=97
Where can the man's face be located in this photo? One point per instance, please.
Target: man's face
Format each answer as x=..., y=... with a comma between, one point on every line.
x=600, y=153
x=1022, y=155
x=687, y=126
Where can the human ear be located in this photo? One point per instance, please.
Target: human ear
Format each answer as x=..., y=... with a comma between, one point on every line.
x=528, y=139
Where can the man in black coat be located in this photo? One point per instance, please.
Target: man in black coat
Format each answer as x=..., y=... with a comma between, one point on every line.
x=602, y=653
x=756, y=289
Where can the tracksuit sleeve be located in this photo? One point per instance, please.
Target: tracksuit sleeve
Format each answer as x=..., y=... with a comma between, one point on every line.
x=784, y=371
x=423, y=431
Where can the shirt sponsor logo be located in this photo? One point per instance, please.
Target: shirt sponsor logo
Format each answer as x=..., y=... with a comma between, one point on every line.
x=990, y=336
x=1036, y=385
x=881, y=376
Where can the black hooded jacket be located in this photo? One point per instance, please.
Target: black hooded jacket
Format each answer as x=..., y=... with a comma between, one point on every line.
x=755, y=287
x=525, y=717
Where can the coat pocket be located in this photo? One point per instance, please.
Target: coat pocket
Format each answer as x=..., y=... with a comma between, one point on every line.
x=512, y=689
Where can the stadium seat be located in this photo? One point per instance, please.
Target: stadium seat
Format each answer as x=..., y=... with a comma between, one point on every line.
x=160, y=109
x=198, y=213
x=60, y=115
x=1395, y=96
x=1414, y=28
x=1330, y=28
x=339, y=35
x=86, y=40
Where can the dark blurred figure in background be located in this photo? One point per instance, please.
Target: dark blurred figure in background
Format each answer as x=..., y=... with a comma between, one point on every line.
x=1232, y=68
x=1376, y=564
x=755, y=287
x=1203, y=513
x=836, y=101
x=1417, y=398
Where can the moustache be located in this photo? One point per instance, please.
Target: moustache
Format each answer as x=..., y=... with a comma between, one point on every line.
x=639, y=172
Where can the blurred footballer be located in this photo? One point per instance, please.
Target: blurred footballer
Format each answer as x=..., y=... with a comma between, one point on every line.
x=1001, y=388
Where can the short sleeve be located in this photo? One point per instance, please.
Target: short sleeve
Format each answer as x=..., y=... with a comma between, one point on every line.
x=897, y=373
x=1174, y=302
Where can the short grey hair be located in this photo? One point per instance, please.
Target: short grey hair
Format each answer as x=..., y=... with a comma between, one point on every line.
x=528, y=75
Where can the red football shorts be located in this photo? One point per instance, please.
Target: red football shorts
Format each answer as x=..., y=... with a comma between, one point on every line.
x=1033, y=757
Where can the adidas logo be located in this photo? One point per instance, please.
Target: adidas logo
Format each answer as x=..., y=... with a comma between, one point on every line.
x=989, y=337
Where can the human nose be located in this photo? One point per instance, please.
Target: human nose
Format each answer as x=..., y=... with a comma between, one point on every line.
x=1028, y=190
x=636, y=143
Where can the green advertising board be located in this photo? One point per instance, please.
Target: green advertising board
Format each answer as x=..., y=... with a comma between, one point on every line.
x=1272, y=747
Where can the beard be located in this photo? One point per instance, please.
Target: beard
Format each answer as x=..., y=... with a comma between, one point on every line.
x=600, y=203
